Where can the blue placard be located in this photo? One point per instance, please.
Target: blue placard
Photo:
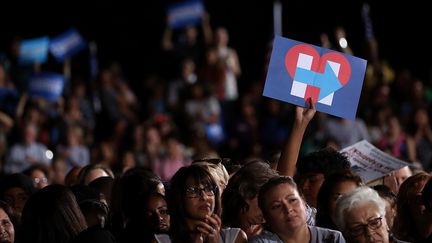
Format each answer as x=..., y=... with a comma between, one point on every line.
x=67, y=44
x=46, y=85
x=184, y=14
x=33, y=50
x=332, y=79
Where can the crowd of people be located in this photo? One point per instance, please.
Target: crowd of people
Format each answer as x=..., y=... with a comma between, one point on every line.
x=193, y=156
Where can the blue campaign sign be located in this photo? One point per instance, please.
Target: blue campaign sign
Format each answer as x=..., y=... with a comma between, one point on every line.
x=298, y=71
x=33, y=50
x=67, y=44
x=46, y=85
x=185, y=13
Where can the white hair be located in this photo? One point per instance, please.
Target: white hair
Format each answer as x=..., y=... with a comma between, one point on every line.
x=360, y=196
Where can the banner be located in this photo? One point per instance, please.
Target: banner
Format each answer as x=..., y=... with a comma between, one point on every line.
x=183, y=14
x=46, y=85
x=299, y=71
x=67, y=44
x=33, y=50
x=369, y=162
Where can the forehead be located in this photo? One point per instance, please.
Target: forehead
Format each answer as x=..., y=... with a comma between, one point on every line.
x=311, y=175
x=192, y=181
x=361, y=213
x=14, y=191
x=155, y=202
x=3, y=214
x=344, y=186
x=281, y=190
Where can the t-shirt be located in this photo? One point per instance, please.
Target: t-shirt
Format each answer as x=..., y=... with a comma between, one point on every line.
x=228, y=235
x=318, y=235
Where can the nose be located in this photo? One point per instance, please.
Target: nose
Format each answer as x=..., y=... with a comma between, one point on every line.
x=369, y=233
x=286, y=208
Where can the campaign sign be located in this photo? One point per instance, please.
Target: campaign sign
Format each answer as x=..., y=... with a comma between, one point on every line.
x=67, y=44
x=184, y=14
x=299, y=71
x=369, y=162
x=46, y=85
x=33, y=51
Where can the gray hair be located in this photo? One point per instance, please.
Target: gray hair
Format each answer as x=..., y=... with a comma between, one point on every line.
x=359, y=196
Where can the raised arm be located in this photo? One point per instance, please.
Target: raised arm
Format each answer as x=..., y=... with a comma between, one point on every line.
x=288, y=159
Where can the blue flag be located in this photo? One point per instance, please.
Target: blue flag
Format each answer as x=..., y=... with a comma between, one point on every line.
x=67, y=44
x=299, y=71
x=46, y=85
x=33, y=50
x=184, y=14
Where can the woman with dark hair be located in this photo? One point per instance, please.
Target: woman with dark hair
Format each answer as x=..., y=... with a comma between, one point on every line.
x=412, y=222
x=334, y=186
x=91, y=172
x=15, y=189
x=39, y=173
x=195, y=209
x=51, y=215
x=125, y=191
x=151, y=218
x=285, y=213
x=7, y=230
x=239, y=199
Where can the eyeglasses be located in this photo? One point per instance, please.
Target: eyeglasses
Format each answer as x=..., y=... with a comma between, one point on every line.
x=40, y=180
x=196, y=192
x=359, y=229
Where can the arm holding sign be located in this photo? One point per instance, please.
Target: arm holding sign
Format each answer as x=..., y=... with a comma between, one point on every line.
x=289, y=156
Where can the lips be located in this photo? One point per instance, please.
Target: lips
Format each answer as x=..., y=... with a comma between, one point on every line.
x=163, y=227
x=4, y=238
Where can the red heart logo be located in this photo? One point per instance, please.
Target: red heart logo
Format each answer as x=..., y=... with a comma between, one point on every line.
x=316, y=63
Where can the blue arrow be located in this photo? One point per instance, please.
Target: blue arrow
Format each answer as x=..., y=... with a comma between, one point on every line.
x=327, y=81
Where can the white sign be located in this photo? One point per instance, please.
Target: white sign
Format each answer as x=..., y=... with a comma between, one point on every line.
x=369, y=162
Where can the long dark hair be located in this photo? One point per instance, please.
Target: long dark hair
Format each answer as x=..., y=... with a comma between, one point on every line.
x=323, y=218
x=51, y=215
x=176, y=199
x=243, y=185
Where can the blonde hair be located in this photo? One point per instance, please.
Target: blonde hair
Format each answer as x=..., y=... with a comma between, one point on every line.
x=217, y=171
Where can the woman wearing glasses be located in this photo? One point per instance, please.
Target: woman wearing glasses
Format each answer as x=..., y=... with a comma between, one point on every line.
x=360, y=215
x=285, y=213
x=194, y=206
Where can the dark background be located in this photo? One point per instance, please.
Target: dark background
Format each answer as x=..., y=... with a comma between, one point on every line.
x=130, y=31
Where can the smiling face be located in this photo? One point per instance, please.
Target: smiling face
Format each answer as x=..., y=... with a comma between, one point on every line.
x=7, y=232
x=284, y=209
x=199, y=199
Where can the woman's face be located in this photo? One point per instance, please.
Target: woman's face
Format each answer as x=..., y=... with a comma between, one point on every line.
x=16, y=197
x=199, y=199
x=364, y=223
x=253, y=215
x=284, y=209
x=339, y=190
x=94, y=174
x=7, y=232
x=157, y=216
